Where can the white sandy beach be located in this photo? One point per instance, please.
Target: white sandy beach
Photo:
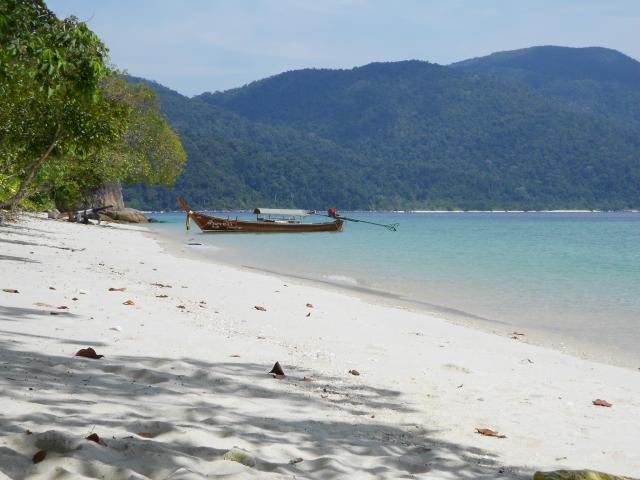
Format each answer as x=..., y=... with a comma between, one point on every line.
x=190, y=372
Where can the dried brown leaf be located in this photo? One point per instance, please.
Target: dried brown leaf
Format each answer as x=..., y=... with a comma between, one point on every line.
x=10, y=290
x=296, y=460
x=63, y=307
x=277, y=369
x=94, y=438
x=52, y=288
x=487, y=432
x=601, y=403
x=146, y=434
x=39, y=456
x=88, y=353
x=354, y=372
x=162, y=296
x=308, y=314
x=259, y=308
x=309, y=305
x=121, y=289
x=128, y=302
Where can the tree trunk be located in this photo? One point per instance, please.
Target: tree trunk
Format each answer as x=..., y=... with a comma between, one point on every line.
x=109, y=194
x=33, y=170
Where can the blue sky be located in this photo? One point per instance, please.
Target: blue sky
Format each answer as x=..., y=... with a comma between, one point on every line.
x=206, y=45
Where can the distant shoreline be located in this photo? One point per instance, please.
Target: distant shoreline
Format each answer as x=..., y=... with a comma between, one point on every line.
x=151, y=212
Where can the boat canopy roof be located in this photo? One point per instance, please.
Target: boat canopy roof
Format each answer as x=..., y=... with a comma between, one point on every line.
x=283, y=212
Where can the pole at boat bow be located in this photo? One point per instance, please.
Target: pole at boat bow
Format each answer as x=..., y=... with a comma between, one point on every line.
x=332, y=213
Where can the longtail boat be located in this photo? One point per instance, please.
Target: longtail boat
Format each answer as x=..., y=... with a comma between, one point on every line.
x=268, y=220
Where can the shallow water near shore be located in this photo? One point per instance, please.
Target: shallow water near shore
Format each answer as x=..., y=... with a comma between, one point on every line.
x=572, y=275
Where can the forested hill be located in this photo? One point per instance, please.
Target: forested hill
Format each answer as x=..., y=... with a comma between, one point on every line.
x=413, y=135
x=590, y=63
x=236, y=163
x=594, y=79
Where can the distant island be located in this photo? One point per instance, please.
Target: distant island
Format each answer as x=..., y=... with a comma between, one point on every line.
x=539, y=128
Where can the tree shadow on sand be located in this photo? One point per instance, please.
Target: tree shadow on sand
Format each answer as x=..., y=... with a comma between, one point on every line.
x=195, y=400
x=36, y=244
x=11, y=258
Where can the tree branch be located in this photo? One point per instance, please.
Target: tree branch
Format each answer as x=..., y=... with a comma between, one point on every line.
x=32, y=172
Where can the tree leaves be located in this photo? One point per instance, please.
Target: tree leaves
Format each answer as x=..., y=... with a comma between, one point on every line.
x=48, y=81
x=149, y=151
x=61, y=131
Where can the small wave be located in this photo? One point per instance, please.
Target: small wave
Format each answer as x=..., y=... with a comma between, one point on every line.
x=342, y=280
x=202, y=246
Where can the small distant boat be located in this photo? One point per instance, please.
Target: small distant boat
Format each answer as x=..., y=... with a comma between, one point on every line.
x=268, y=220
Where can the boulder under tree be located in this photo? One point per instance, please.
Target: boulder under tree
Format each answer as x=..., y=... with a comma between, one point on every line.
x=111, y=194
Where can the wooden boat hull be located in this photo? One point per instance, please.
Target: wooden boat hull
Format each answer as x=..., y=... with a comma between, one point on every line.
x=211, y=224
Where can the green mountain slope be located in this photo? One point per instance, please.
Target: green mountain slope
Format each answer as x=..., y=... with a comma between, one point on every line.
x=235, y=163
x=593, y=79
x=590, y=63
x=399, y=135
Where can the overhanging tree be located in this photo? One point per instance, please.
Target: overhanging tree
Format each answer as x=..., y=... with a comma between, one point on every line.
x=54, y=113
x=149, y=151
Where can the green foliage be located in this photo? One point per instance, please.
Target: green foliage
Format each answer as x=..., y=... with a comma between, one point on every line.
x=54, y=116
x=150, y=151
x=397, y=135
x=68, y=123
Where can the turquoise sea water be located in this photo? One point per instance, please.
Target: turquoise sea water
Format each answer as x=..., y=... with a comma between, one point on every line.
x=574, y=275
